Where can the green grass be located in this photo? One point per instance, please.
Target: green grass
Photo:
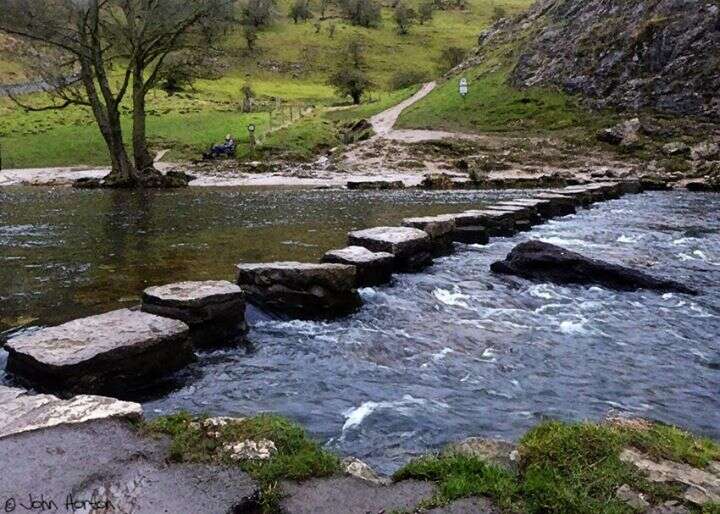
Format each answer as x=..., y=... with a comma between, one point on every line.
x=297, y=457
x=568, y=468
x=492, y=105
x=291, y=67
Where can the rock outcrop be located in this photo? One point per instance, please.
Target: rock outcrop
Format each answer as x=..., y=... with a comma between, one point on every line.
x=537, y=260
x=108, y=353
x=304, y=290
x=662, y=55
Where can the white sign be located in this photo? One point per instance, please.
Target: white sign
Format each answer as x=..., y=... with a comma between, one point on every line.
x=463, y=87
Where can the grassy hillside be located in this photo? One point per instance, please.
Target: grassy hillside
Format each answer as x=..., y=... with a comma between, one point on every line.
x=288, y=70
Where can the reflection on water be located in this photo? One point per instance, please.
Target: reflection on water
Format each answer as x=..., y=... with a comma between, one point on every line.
x=67, y=253
x=434, y=357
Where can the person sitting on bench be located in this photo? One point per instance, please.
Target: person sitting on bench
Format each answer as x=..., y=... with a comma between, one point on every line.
x=226, y=148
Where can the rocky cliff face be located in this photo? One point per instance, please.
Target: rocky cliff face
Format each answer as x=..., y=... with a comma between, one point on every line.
x=633, y=54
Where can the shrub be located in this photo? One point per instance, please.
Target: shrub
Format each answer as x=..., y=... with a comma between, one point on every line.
x=426, y=11
x=450, y=57
x=300, y=11
x=404, y=17
x=365, y=13
x=406, y=78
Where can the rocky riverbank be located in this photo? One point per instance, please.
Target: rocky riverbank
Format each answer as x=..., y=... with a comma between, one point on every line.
x=185, y=464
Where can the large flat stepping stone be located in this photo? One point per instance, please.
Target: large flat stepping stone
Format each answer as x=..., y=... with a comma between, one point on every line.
x=471, y=235
x=22, y=412
x=303, y=290
x=352, y=496
x=373, y=268
x=519, y=212
x=546, y=207
x=111, y=461
x=467, y=506
x=112, y=352
x=497, y=223
x=214, y=310
x=411, y=247
x=562, y=204
x=439, y=228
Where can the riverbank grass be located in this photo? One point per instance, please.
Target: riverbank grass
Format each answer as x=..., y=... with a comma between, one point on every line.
x=568, y=468
x=297, y=457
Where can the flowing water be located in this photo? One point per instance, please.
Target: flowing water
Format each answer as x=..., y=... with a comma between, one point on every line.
x=436, y=356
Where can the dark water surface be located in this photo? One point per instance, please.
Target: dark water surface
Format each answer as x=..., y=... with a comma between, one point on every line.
x=434, y=357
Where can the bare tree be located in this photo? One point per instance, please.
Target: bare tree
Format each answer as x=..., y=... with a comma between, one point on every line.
x=97, y=53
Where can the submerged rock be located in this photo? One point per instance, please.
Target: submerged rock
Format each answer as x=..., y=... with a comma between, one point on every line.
x=412, y=248
x=214, y=309
x=373, y=268
x=111, y=352
x=23, y=412
x=537, y=260
x=304, y=290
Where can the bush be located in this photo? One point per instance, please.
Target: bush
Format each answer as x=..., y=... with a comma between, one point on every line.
x=300, y=11
x=426, y=11
x=499, y=13
x=450, y=57
x=404, y=17
x=350, y=77
x=365, y=13
x=406, y=78
x=258, y=13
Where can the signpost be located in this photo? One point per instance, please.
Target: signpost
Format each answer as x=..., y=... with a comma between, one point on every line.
x=463, y=87
x=251, y=131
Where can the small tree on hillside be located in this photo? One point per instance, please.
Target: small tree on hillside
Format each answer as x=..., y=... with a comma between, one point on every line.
x=300, y=11
x=250, y=33
x=365, y=13
x=258, y=13
x=450, y=57
x=350, y=77
x=404, y=17
x=426, y=11
x=324, y=4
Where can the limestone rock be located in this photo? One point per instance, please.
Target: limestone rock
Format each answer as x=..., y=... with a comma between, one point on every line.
x=676, y=148
x=701, y=486
x=214, y=310
x=115, y=351
x=373, y=268
x=495, y=451
x=358, y=469
x=350, y=495
x=537, y=260
x=632, y=498
x=706, y=151
x=251, y=450
x=439, y=228
x=411, y=247
x=304, y=290
x=23, y=412
x=437, y=181
x=471, y=235
x=624, y=134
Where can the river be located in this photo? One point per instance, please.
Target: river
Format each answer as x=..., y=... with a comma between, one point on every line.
x=434, y=357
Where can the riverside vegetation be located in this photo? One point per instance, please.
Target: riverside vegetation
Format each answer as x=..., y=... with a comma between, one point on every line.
x=560, y=467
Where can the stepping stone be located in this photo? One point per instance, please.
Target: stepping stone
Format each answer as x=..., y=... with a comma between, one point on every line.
x=299, y=289
x=439, y=228
x=580, y=196
x=373, y=268
x=592, y=194
x=562, y=204
x=547, y=208
x=375, y=185
x=214, y=310
x=630, y=187
x=471, y=235
x=497, y=223
x=23, y=412
x=411, y=247
x=352, y=496
x=111, y=352
x=517, y=212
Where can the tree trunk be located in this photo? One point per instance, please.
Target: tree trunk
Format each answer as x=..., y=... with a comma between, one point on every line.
x=142, y=157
